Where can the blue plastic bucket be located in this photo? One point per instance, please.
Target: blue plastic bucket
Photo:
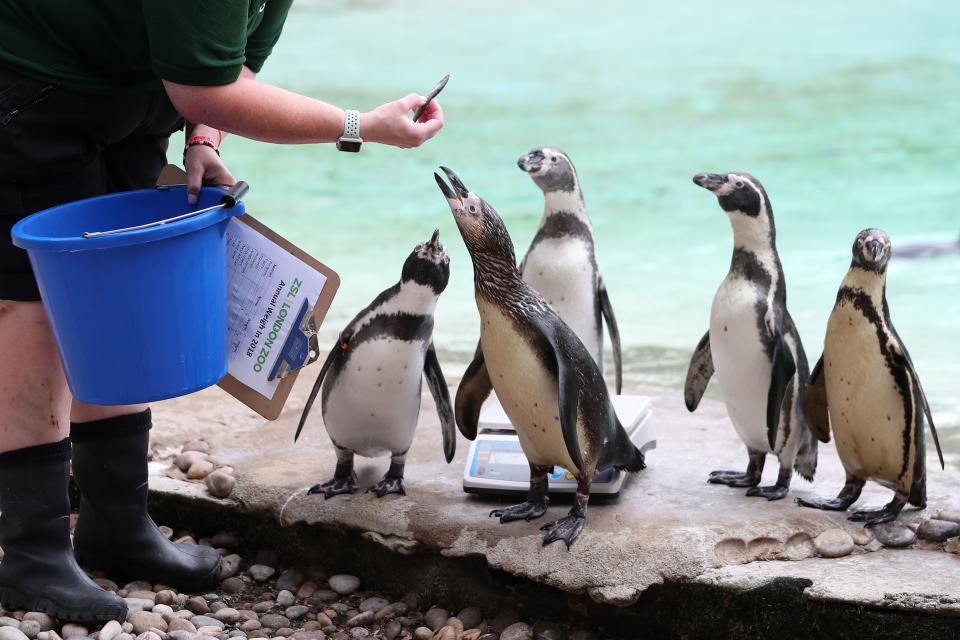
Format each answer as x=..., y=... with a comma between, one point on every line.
x=138, y=315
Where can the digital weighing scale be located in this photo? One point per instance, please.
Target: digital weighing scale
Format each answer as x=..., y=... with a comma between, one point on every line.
x=496, y=464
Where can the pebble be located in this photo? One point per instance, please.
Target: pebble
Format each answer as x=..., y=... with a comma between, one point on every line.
x=436, y=618
x=200, y=470
x=504, y=619
x=861, y=536
x=137, y=585
x=142, y=594
x=46, y=622
x=489, y=636
x=229, y=565
x=30, y=628
x=890, y=534
x=393, y=630
x=219, y=483
x=163, y=610
x=127, y=627
x=233, y=585
x=261, y=572
x=148, y=635
x=124, y=636
x=73, y=631
x=285, y=599
x=110, y=630
x=197, y=445
x=263, y=607
x=471, y=617
x=137, y=604
x=935, y=530
x=952, y=546
x=307, y=589
x=290, y=580
x=344, y=584
x=325, y=595
x=274, y=621
x=179, y=624
x=361, y=619
x=227, y=615
x=225, y=539
x=11, y=633
x=217, y=605
x=7, y=621
x=206, y=621
x=250, y=625
x=296, y=612
x=186, y=459
x=950, y=515
x=446, y=633
x=833, y=543
x=182, y=634
x=166, y=531
x=198, y=604
x=517, y=631
x=547, y=631
x=422, y=633
x=166, y=596
x=143, y=621
x=316, y=634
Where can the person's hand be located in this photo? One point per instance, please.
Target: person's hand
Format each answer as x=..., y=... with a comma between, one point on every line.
x=204, y=166
x=391, y=123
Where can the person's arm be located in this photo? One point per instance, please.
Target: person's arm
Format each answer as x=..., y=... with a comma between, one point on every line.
x=261, y=111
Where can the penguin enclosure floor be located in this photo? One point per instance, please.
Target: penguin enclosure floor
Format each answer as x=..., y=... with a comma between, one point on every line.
x=672, y=557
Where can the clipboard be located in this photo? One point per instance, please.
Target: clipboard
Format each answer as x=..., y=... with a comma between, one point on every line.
x=297, y=348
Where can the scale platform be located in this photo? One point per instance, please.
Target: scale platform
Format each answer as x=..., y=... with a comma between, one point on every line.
x=496, y=464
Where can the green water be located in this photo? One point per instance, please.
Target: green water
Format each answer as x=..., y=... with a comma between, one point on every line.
x=847, y=111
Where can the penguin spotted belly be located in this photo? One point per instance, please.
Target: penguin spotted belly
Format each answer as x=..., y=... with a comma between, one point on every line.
x=560, y=270
x=376, y=405
x=866, y=410
x=742, y=366
x=526, y=390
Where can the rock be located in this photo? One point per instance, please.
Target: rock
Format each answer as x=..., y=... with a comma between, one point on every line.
x=323, y=620
x=833, y=543
x=296, y=612
x=45, y=621
x=393, y=630
x=166, y=597
x=547, y=631
x=361, y=619
x=470, y=617
x=233, y=585
x=206, y=621
x=504, y=619
x=436, y=618
x=180, y=624
x=12, y=633
x=142, y=594
x=164, y=611
x=861, y=536
x=517, y=631
x=938, y=530
x=189, y=458
x=344, y=584
x=225, y=539
x=274, y=621
x=261, y=572
x=127, y=627
x=30, y=628
x=110, y=630
x=422, y=633
x=950, y=515
x=227, y=615
x=307, y=589
x=447, y=632
x=229, y=566
x=73, y=631
x=219, y=483
x=291, y=579
x=952, y=546
x=182, y=634
x=250, y=625
x=200, y=470
x=166, y=531
x=309, y=635
x=373, y=604
x=197, y=445
x=143, y=621
x=148, y=635
x=285, y=599
x=799, y=546
x=263, y=607
x=137, y=604
x=7, y=621
x=891, y=534
x=247, y=614
x=198, y=605
x=325, y=595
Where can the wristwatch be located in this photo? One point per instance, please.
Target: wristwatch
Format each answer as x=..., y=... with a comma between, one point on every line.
x=350, y=139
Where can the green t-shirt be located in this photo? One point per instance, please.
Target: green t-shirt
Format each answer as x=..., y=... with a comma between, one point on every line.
x=110, y=46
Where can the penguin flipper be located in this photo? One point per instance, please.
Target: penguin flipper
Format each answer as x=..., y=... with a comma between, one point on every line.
x=784, y=368
x=815, y=408
x=919, y=393
x=331, y=357
x=699, y=373
x=441, y=396
x=606, y=309
x=474, y=388
x=571, y=387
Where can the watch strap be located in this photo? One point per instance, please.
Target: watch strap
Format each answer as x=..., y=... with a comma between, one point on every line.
x=351, y=124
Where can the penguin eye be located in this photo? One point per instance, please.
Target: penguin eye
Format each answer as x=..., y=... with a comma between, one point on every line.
x=473, y=209
x=554, y=159
x=739, y=184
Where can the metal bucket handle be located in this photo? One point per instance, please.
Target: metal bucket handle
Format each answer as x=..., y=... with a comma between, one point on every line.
x=229, y=200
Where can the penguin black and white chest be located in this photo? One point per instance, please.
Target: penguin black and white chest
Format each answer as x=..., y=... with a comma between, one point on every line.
x=547, y=381
x=753, y=345
x=866, y=388
x=371, y=379
x=561, y=263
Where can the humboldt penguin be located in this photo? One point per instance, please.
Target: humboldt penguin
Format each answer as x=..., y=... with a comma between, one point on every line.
x=753, y=346
x=371, y=379
x=561, y=263
x=547, y=381
x=866, y=387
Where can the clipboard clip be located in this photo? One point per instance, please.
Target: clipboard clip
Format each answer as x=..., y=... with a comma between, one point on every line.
x=300, y=348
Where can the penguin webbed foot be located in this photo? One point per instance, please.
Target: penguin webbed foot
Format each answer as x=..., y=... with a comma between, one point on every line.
x=336, y=486
x=389, y=484
x=566, y=529
x=528, y=510
x=886, y=513
x=833, y=504
x=734, y=478
x=772, y=492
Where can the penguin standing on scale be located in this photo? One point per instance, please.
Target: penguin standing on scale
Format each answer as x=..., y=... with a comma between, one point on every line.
x=371, y=379
x=561, y=263
x=548, y=383
x=753, y=345
x=866, y=387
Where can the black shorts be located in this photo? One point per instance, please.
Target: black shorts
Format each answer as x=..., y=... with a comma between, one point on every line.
x=57, y=146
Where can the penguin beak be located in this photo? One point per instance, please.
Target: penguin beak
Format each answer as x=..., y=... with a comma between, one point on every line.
x=456, y=204
x=875, y=247
x=530, y=162
x=709, y=181
x=461, y=190
x=435, y=240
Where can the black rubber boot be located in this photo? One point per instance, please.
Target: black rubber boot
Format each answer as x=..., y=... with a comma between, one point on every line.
x=38, y=571
x=114, y=532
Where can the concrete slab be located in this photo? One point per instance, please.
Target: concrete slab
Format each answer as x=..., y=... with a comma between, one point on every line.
x=669, y=525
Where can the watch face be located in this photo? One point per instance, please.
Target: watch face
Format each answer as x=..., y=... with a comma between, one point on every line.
x=349, y=144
